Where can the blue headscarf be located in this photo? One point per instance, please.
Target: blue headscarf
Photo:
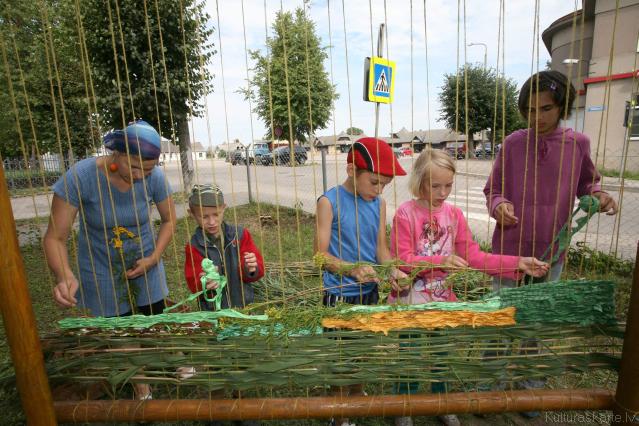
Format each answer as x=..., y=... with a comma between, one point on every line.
x=140, y=136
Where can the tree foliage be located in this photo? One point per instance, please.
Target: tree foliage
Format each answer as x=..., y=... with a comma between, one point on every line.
x=292, y=68
x=162, y=50
x=354, y=131
x=42, y=81
x=481, y=84
x=102, y=62
x=160, y=74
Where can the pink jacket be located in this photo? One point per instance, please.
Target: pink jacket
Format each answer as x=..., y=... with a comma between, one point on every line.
x=420, y=234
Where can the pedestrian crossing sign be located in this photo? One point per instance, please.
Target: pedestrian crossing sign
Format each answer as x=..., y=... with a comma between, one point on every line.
x=381, y=79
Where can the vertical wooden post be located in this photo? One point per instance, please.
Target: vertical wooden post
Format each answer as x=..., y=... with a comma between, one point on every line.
x=626, y=408
x=19, y=321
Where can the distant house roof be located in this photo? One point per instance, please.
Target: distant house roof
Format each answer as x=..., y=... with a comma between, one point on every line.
x=167, y=146
x=341, y=139
x=197, y=147
x=435, y=136
x=400, y=137
x=232, y=146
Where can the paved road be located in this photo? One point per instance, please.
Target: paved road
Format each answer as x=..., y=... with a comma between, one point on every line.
x=301, y=186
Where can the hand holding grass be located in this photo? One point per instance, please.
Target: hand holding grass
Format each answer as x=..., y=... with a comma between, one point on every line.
x=533, y=267
x=64, y=292
x=364, y=274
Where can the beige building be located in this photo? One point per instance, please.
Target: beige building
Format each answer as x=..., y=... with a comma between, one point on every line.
x=598, y=48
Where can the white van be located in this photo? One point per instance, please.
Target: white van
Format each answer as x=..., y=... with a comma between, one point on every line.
x=256, y=151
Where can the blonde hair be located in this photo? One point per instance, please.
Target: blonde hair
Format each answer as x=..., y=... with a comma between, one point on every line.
x=423, y=166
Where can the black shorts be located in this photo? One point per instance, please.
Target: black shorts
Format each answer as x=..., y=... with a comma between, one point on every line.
x=370, y=298
x=152, y=309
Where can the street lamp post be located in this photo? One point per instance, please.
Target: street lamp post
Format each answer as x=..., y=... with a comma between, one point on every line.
x=485, y=64
x=485, y=51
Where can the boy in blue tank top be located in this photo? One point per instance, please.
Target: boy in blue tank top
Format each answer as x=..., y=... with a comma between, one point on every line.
x=351, y=224
x=351, y=228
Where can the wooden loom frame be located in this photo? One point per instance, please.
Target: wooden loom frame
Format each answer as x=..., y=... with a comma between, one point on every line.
x=40, y=409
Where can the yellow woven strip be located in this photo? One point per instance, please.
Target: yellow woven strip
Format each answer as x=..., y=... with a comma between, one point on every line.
x=386, y=321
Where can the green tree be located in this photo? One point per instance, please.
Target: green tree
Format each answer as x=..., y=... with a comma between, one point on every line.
x=161, y=73
x=42, y=81
x=354, y=131
x=501, y=117
x=292, y=68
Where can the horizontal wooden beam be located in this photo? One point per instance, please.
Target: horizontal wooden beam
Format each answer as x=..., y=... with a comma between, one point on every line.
x=335, y=406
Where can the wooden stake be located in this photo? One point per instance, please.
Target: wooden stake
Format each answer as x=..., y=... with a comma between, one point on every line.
x=626, y=409
x=19, y=321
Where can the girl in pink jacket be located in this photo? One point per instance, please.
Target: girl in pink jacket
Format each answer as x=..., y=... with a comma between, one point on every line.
x=428, y=229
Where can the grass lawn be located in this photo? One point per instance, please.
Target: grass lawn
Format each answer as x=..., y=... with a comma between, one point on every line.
x=615, y=173
x=284, y=238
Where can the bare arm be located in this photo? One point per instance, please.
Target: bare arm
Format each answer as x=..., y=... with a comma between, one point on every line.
x=55, y=248
x=166, y=208
x=324, y=213
x=383, y=251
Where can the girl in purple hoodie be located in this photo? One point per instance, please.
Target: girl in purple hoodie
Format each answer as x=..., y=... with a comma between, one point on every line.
x=538, y=174
x=536, y=177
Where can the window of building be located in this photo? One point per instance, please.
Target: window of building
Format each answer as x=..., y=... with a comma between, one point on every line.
x=631, y=119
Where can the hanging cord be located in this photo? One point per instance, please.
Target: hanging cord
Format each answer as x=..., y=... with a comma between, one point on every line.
x=559, y=190
x=172, y=212
x=53, y=75
x=250, y=109
x=226, y=128
x=23, y=148
x=280, y=253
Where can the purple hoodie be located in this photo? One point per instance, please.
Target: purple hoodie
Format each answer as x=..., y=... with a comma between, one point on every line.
x=533, y=190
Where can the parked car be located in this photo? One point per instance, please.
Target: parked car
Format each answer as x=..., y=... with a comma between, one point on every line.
x=456, y=149
x=483, y=150
x=282, y=155
x=236, y=157
x=260, y=153
x=407, y=151
x=254, y=150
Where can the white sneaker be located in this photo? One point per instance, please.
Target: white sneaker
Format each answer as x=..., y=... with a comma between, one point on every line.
x=404, y=421
x=185, y=372
x=449, y=420
x=146, y=397
x=340, y=422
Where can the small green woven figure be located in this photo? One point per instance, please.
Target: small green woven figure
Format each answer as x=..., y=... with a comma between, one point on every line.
x=210, y=273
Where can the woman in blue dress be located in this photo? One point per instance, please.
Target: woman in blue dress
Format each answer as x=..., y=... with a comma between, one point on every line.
x=119, y=266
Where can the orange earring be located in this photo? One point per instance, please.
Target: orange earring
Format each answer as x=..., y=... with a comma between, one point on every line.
x=113, y=167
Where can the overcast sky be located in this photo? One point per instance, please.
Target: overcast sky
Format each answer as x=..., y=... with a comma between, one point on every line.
x=228, y=114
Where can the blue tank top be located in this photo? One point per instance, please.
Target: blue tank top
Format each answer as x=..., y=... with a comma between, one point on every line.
x=345, y=244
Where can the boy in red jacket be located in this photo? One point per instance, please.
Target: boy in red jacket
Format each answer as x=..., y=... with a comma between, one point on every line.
x=230, y=247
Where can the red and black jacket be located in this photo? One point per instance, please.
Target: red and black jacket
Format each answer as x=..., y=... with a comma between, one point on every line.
x=238, y=291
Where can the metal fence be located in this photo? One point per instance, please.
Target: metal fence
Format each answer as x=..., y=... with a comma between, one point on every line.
x=34, y=172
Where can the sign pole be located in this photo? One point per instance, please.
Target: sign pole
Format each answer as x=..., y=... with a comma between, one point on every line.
x=380, y=52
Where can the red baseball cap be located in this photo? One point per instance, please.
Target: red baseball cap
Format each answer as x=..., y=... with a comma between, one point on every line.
x=376, y=156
